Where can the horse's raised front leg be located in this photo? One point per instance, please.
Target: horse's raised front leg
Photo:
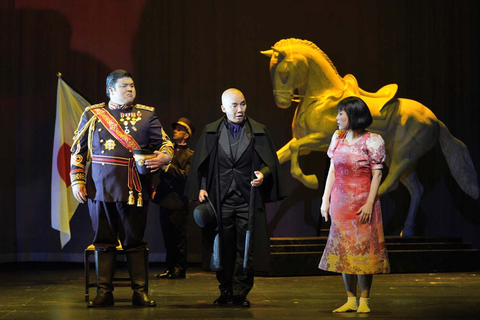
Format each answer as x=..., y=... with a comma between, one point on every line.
x=312, y=142
x=285, y=153
x=410, y=180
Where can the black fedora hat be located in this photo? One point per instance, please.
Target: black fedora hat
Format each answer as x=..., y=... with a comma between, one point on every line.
x=186, y=123
x=204, y=214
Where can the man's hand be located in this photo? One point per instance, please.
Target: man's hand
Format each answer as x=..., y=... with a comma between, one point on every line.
x=159, y=161
x=202, y=194
x=259, y=180
x=80, y=192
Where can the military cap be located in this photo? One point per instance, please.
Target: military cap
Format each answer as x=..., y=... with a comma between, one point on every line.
x=140, y=155
x=186, y=123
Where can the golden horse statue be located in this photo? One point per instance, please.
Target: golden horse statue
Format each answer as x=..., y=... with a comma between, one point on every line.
x=303, y=73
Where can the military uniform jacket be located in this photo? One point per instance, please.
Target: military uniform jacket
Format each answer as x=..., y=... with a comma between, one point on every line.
x=173, y=179
x=111, y=175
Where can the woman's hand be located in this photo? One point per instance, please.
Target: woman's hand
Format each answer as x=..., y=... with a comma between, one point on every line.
x=365, y=213
x=325, y=209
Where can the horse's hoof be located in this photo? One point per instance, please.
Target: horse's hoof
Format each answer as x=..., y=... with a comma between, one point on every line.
x=407, y=233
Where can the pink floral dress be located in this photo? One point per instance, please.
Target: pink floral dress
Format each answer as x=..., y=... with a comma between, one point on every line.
x=352, y=247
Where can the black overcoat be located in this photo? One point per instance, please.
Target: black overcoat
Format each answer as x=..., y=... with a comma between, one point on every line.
x=203, y=163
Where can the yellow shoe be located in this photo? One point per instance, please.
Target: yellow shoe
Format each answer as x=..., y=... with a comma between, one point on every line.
x=363, y=307
x=349, y=306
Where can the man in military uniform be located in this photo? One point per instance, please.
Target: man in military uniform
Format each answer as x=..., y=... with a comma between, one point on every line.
x=173, y=205
x=236, y=166
x=117, y=195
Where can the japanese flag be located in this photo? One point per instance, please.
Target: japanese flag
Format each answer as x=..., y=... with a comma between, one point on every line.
x=70, y=106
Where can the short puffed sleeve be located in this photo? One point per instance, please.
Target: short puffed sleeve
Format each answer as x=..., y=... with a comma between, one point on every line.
x=334, y=143
x=376, y=151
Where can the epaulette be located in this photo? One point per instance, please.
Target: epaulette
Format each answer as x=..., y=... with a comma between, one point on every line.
x=141, y=106
x=95, y=106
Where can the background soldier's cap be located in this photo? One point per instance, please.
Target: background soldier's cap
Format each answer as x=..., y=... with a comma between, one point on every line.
x=186, y=123
x=140, y=155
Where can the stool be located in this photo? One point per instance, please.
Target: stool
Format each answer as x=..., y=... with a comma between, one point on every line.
x=90, y=250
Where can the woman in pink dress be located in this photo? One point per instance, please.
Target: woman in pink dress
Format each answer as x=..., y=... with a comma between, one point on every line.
x=356, y=244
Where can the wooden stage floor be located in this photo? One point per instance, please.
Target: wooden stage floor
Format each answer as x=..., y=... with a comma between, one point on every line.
x=56, y=291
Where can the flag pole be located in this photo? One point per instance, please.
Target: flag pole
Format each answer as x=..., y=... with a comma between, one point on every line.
x=60, y=75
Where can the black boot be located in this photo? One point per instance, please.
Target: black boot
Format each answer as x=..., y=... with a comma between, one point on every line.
x=178, y=273
x=225, y=298
x=164, y=275
x=137, y=262
x=105, y=270
x=241, y=301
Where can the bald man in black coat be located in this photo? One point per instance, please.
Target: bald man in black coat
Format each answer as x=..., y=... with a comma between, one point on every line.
x=235, y=165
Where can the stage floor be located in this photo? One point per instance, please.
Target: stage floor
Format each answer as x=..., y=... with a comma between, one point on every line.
x=56, y=291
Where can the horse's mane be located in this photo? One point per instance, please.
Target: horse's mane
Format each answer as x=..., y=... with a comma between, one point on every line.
x=294, y=41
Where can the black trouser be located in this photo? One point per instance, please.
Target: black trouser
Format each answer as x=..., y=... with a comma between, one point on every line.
x=118, y=220
x=174, y=229
x=233, y=278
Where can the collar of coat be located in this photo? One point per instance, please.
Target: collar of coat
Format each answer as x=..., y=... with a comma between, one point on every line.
x=256, y=128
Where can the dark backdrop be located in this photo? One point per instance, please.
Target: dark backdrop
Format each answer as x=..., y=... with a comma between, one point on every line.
x=184, y=54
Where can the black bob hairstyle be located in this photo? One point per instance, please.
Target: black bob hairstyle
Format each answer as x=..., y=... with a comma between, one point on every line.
x=359, y=116
x=114, y=76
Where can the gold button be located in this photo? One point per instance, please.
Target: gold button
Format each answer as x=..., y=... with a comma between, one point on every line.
x=103, y=163
x=102, y=141
x=103, y=151
x=99, y=129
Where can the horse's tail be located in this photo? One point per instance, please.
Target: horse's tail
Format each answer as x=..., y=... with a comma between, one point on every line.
x=459, y=161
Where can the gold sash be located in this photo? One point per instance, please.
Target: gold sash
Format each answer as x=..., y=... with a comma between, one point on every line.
x=115, y=129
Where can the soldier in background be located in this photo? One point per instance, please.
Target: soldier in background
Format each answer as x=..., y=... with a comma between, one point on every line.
x=173, y=205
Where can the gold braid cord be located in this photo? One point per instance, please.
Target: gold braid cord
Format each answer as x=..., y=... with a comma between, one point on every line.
x=91, y=130
x=167, y=147
x=77, y=174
